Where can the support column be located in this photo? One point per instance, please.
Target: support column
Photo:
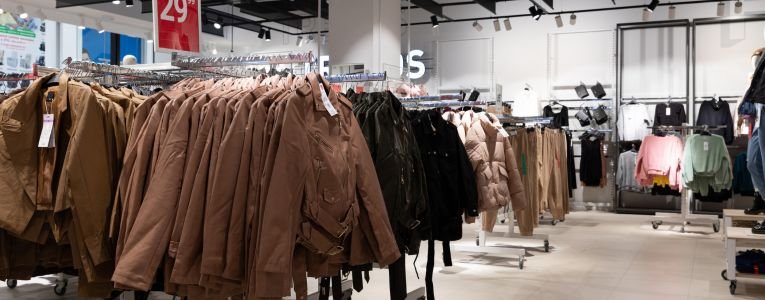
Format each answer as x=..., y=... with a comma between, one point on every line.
x=365, y=32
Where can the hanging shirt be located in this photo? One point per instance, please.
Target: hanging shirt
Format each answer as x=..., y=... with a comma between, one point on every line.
x=633, y=122
x=527, y=105
x=625, y=172
x=672, y=114
x=716, y=113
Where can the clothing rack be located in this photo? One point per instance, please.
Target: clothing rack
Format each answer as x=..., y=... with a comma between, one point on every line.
x=114, y=75
x=686, y=216
x=576, y=100
x=243, y=66
x=433, y=98
x=650, y=100
x=441, y=104
x=730, y=99
x=361, y=77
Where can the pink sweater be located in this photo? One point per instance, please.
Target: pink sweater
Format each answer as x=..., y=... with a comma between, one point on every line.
x=660, y=156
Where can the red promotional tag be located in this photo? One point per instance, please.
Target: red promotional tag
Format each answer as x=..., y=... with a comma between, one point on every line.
x=177, y=25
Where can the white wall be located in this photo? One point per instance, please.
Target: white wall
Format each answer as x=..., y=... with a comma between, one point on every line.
x=521, y=55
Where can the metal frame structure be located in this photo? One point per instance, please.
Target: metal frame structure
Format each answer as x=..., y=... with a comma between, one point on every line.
x=696, y=99
x=620, y=29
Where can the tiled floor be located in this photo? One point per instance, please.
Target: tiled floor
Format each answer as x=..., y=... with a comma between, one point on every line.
x=594, y=256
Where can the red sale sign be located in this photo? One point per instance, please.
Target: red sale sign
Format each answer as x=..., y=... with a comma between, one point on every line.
x=177, y=25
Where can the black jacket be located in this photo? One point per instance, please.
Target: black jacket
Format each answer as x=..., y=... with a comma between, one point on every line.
x=451, y=182
x=756, y=91
x=716, y=113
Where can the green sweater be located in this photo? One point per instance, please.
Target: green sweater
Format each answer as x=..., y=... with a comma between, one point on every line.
x=706, y=163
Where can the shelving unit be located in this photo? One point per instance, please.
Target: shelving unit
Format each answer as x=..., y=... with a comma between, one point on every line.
x=739, y=237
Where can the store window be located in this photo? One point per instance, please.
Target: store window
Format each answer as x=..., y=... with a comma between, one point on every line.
x=110, y=48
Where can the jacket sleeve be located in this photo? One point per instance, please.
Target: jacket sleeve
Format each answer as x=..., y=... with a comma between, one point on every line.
x=369, y=194
x=469, y=188
x=729, y=135
x=515, y=185
x=620, y=172
x=687, y=161
x=284, y=190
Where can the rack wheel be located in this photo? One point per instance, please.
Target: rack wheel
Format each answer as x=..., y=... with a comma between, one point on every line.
x=12, y=283
x=733, y=287
x=521, y=259
x=656, y=224
x=716, y=226
x=554, y=222
x=547, y=246
x=724, y=274
x=477, y=241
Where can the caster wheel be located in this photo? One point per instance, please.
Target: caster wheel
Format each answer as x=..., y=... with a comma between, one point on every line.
x=655, y=225
x=733, y=287
x=547, y=246
x=12, y=283
x=724, y=274
x=59, y=289
x=477, y=241
x=520, y=262
x=716, y=227
x=554, y=222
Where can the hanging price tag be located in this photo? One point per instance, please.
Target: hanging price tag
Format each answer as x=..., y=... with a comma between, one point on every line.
x=327, y=103
x=706, y=146
x=668, y=111
x=46, y=135
x=177, y=25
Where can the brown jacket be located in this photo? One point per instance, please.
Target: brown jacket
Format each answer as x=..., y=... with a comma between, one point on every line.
x=495, y=166
x=318, y=157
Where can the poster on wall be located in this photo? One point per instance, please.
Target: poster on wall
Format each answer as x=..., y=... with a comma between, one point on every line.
x=22, y=43
x=177, y=25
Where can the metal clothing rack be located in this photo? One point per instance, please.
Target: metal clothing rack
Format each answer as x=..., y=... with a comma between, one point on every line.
x=110, y=74
x=245, y=66
x=361, y=77
x=686, y=216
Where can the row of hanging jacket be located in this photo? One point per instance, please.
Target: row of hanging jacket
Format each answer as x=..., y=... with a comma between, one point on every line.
x=495, y=166
x=62, y=143
x=246, y=187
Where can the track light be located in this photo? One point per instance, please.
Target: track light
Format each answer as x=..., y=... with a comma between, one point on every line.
x=652, y=6
x=268, y=35
x=218, y=23
x=536, y=13
x=559, y=21
x=299, y=41
x=434, y=21
x=2, y=11
x=572, y=19
x=508, y=27
x=129, y=3
x=739, y=7
x=82, y=23
x=215, y=51
x=672, y=12
x=646, y=14
x=22, y=13
x=497, y=28
x=721, y=9
x=101, y=28
x=116, y=2
x=262, y=33
x=477, y=26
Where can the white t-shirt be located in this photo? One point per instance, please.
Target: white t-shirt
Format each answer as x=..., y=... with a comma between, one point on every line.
x=527, y=105
x=634, y=121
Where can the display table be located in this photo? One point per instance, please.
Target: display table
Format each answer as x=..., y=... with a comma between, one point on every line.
x=739, y=237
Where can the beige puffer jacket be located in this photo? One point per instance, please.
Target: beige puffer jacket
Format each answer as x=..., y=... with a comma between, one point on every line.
x=493, y=160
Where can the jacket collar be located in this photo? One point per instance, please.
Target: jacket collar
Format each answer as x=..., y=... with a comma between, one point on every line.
x=315, y=82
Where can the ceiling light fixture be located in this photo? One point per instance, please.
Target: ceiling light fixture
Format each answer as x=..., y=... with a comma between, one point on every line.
x=497, y=28
x=299, y=41
x=434, y=21
x=652, y=6
x=477, y=26
x=721, y=9
x=508, y=27
x=215, y=51
x=572, y=19
x=739, y=7
x=268, y=35
x=672, y=12
x=218, y=23
x=82, y=23
x=22, y=13
x=101, y=28
x=262, y=33
x=646, y=14
x=559, y=21
x=116, y=2
x=2, y=11
x=536, y=13
x=129, y=3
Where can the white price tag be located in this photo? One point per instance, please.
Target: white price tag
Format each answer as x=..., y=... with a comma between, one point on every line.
x=46, y=136
x=307, y=68
x=668, y=111
x=706, y=146
x=327, y=104
x=503, y=132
